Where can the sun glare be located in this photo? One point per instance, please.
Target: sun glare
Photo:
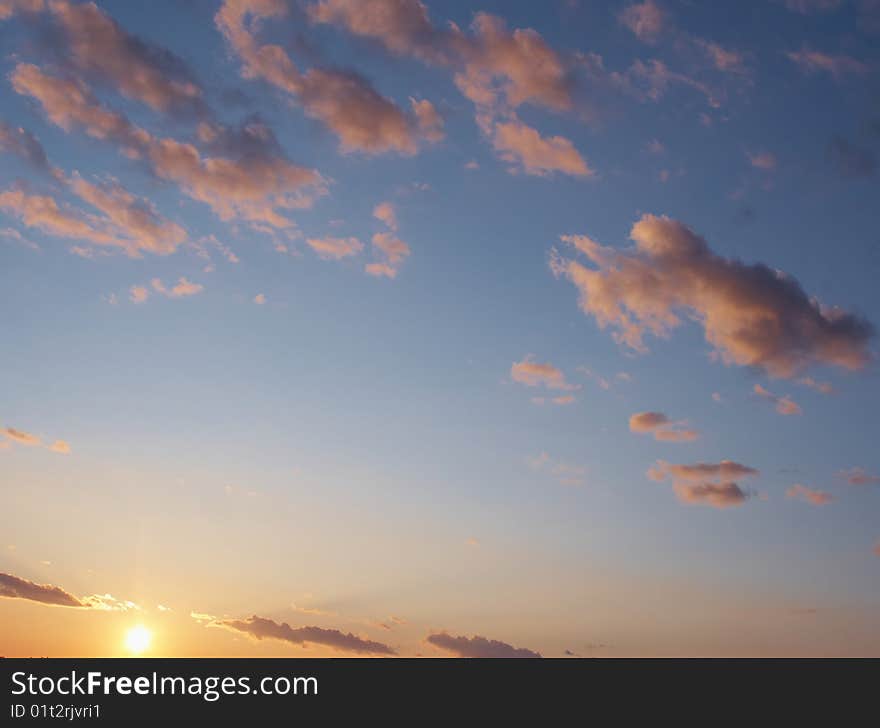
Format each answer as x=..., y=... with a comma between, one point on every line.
x=137, y=639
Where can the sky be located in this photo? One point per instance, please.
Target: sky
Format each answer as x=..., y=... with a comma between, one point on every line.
x=387, y=327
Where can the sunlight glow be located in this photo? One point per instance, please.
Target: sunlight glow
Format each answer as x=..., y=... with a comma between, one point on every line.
x=137, y=639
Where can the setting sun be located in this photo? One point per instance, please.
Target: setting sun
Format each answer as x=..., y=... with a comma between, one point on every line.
x=137, y=639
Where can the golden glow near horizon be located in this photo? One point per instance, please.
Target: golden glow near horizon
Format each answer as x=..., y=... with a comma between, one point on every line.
x=137, y=640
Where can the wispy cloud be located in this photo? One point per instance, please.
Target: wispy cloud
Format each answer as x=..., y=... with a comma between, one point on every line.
x=783, y=405
x=262, y=628
x=477, y=646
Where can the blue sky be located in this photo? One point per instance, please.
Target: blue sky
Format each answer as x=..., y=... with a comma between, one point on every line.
x=286, y=424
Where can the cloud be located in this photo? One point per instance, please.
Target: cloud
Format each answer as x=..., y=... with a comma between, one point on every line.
x=14, y=587
x=711, y=484
x=525, y=148
x=646, y=20
x=810, y=62
x=724, y=59
x=8, y=8
x=784, y=405
x=751, y=314
x=138, y=294
x=335, y=248
x=762, y=160
x=100, y=48
x=389, y=250
x=497, y=69
x=859, y=476
x=477, y=646
x=135, y=220
x=535, y=374
x=661, y=427
x=822, y=387
x=23, y=144
x=181, y=289
x=20, y=437
x=385, y=212
x=811, y=496
x=61, y=447
x=345, y=102
x=807, y=7
x=567, y=474
x=649, y=81
x=255, y=182
x=69, y=103
x=262, y=628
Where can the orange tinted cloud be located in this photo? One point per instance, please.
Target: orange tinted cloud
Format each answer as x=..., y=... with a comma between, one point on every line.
x=8, y=8
x=262, y=628
x=810, y=61
x=21, y=437
x=335, y=248
x=534, y=374
x=784, y=405
x=136, y=219
x=752, y=315
x=661, y=427
x=859, y=476
x=345, y=102
x=711, y=484
x=181, y=289
x=645, y=20
x=23, y=144
x=255, y=183
x=389, y=249
x=811, y=496
x=496, y=68
x=70, y=103
x=762, y=160
x=477, y=646
x=61, y=447
x=524, y=147
x=101, y=48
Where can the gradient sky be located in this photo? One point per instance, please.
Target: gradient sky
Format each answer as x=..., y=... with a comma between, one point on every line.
x=381, y=326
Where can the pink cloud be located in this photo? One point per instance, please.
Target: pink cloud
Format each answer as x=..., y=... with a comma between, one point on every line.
x=711, y=484
x=751, y=314
x=535, y=374
x=646, y=20
x=784, y=405
x=811, y=496
x=335, y=248
x=345, y=102
x=810, y=61
x=661, y=427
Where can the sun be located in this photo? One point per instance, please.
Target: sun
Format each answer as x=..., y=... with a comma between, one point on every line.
x=137, y=639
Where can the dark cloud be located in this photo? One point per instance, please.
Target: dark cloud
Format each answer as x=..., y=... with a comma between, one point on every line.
x=100, y=48
x=23, y=144
x=477, y=646
x=14, y=587
x=262, y=628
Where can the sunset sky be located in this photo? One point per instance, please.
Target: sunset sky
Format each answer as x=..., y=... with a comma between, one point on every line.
x=388, y=327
